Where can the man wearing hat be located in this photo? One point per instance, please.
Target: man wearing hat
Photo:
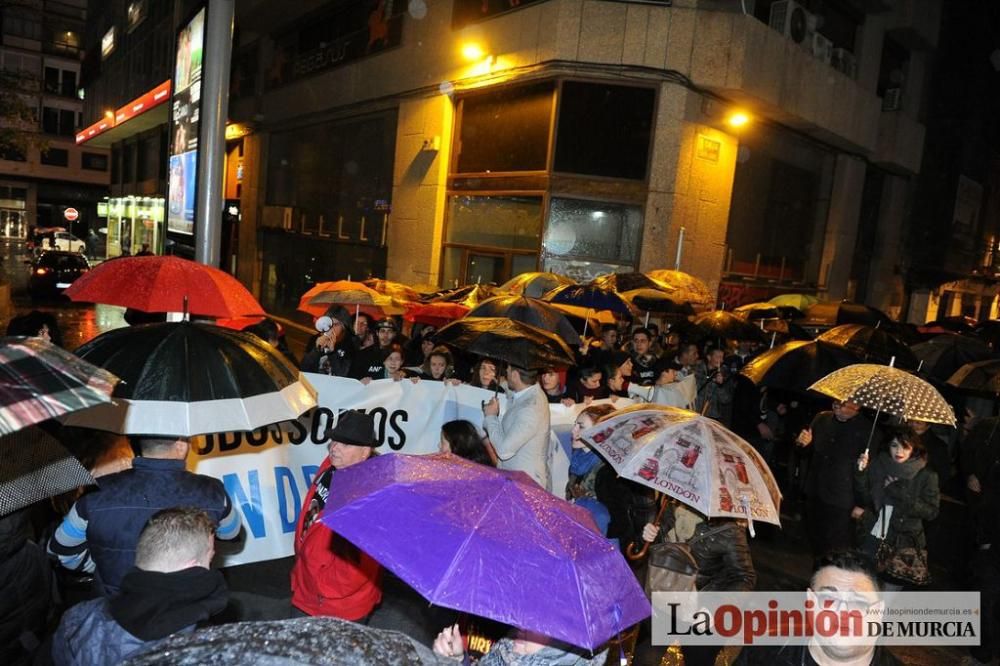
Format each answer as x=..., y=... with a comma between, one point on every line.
x=331, y=576
x=368, y=361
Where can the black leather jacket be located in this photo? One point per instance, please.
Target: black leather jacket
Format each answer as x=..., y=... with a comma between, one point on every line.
x=723, y=554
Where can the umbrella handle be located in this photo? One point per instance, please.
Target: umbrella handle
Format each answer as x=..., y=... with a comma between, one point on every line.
x=637, y=553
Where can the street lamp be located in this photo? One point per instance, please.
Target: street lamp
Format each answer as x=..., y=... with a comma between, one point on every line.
x=738, y=119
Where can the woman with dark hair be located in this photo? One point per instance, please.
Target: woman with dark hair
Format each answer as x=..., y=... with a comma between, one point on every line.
x=462, y=439
x=614, y=381
x=485, y=375
x=897, y=493
x=36, y=324
x=392, y=367
x=332, y=350
x=438, y=365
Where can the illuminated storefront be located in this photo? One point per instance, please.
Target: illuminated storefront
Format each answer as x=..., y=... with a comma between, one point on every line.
x=134, y=222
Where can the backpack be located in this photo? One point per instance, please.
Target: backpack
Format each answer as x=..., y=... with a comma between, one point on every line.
x=672, y=567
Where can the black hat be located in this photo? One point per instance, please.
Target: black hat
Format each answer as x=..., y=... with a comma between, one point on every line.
x=355, y=428
x=386, y=323
x=668, y=364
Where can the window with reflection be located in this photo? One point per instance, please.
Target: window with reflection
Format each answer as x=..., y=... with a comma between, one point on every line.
x=584, y=239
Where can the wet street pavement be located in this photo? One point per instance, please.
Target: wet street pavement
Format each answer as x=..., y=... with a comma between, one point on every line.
x=261, y=590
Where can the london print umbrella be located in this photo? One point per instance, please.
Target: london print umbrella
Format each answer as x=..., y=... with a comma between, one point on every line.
x=40, y=381
x=35, y=466
x=535, y=285
x=520, y=345
x=529, y=311
x=488, y=542
x=165, y=284
x=184, y=379
x=692, y=458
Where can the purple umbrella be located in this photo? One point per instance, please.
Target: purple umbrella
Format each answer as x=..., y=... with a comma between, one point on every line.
x=487, y=542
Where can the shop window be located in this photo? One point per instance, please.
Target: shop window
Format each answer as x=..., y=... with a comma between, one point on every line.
x=584, y=239
x=505, y=130
x=55, y=157
x=94, y=162
x=491, y=238
x=604, y=130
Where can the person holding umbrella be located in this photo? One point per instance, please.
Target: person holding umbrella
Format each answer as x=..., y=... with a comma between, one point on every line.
x=521, y=437
x=330, y=575
x=838, y=438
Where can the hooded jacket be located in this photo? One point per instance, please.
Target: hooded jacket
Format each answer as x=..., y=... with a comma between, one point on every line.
x=330, y=575
x=25, y=587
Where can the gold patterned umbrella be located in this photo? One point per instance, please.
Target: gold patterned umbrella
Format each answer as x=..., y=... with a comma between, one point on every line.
x=684, y=287
x=887, y=389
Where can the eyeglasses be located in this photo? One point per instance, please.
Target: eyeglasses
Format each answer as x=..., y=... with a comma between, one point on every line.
x=842, y=601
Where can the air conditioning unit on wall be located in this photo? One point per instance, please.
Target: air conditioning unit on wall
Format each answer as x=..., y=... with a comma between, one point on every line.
x=792, y=20
x=892, y=99
x=822, y=48
x=844, y=62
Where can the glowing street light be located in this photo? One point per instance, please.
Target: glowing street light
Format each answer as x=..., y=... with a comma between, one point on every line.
x=738, y=119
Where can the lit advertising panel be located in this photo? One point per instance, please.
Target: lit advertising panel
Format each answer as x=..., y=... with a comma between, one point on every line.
x=185, y=115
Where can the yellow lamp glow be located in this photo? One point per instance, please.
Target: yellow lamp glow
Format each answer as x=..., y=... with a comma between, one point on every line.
x=738, y=119
x=473, y=52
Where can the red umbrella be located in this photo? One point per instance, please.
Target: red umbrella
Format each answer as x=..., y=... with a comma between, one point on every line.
x=161, y=284
x=435, y=314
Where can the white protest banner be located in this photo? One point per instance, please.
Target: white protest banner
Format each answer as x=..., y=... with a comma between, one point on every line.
x=267, y=472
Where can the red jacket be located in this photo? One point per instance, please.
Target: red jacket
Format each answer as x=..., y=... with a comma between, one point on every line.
x=326, y=580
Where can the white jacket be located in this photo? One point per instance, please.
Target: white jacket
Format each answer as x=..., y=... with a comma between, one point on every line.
x=521, y=436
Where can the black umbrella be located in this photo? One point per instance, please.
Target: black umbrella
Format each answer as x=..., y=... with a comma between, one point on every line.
x=35, y=466
x=873, y=345
x=721, y=325
x=470, y=295
x=529, y=311
x=535, y=285
x=622, y=282
x=796, y=365
x=980, y=377
x=943, y=355
x=654, y=300
x=314, y=641
x=590, y=296
x=520, y=345
x=185, y=379
x=989, y=332
x=835, y=313
x=754, y=311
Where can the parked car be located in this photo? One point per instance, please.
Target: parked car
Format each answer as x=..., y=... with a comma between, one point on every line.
x=54, y=271
x=65, y=241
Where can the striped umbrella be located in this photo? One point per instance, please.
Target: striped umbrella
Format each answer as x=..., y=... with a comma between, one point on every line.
x=40, y=381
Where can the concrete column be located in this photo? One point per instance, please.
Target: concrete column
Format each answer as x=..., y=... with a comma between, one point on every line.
x=882, y=274
x=248, y=264
x=690, y=187
x=842, y=226
x=423, y=147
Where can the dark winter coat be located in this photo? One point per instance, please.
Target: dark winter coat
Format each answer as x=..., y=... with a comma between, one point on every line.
x=913, y=501
x=88, y=635
x=25, y=587
x=836, y=446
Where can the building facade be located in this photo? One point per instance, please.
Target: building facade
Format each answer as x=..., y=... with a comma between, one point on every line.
x=53, y=182
x=454, y=142
x=469, y=140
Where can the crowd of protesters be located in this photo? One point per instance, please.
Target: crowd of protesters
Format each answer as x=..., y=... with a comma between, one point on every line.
x=146, y=536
